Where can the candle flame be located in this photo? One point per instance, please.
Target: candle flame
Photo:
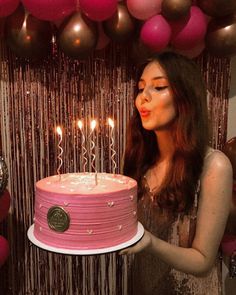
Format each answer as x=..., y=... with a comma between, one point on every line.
x=93, y=124
x=111, y=122
x=80, y=124
x=59, y=131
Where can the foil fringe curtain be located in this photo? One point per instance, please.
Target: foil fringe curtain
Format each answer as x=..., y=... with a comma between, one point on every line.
x=34, y=98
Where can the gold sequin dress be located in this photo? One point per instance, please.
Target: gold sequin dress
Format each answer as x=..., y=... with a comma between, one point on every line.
x=151, y=276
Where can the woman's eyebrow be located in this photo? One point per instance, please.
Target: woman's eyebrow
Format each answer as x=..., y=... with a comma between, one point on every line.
x=155, y=78
x=159, y=77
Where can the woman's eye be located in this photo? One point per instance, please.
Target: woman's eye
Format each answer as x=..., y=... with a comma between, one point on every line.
x=160, y=88
x=140, y=90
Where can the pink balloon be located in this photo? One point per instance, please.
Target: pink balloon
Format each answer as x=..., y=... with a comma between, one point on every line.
x=98, y=10
x=193, y=52
x=156, y=33
x=103, y=40
x=7, y=7
x=50, y=9
x=144, y=9
x=4, y=250
x=189, y=32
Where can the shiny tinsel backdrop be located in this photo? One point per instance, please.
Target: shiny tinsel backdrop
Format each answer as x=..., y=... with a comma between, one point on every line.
x=57, y=89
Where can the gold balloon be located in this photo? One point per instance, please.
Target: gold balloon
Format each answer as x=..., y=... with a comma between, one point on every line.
x=121, y=25
x=77, y=36
x=217, y=8
x=221, y=36
x=175, y=9
x=27, y=36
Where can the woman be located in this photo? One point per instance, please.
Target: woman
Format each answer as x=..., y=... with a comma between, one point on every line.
x=185, y=187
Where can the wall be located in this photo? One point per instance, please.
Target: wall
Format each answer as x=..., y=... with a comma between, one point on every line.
x=230, y=284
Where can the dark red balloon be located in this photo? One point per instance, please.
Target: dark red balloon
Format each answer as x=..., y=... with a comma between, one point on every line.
x=121, y=25
x=78, y=36
x=4, y=250
x=5, y=202
x=220, y=38
x=27, y=36
x=2, y=25
x=230, y=150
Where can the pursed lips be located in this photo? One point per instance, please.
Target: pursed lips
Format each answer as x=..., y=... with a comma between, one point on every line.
x=144, y=112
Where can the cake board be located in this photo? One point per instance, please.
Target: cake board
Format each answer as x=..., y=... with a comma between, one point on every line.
x=126, y=244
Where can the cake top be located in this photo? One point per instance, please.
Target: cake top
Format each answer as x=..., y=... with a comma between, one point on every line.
x=84, y=183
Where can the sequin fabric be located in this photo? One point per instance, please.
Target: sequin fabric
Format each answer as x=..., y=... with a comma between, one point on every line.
x=151, y=276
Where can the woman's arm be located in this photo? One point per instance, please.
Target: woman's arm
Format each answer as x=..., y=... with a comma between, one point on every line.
x=213, y=210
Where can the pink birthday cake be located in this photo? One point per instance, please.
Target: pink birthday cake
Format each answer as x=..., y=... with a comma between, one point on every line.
x=73, y=211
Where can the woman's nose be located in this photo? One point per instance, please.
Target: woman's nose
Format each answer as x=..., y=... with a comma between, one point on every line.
x=146, y=96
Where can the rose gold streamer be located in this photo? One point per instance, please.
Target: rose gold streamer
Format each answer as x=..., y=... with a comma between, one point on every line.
x=34, y=99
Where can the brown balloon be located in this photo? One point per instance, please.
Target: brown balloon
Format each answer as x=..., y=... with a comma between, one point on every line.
x=121, y=25
x=77, y=36
x=230, y=150
x=27, y=36
x=217, y=8
x=139, y=53
x=175, y=9
x=221, y=36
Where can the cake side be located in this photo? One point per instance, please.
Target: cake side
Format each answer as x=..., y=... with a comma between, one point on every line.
x=98, y=216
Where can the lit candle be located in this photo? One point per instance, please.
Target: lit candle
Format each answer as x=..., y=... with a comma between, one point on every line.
x=84, y=150
x=92, y=146
x=59, y=157
x=111, y=138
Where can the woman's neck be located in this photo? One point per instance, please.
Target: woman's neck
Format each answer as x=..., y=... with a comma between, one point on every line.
x=165, y=144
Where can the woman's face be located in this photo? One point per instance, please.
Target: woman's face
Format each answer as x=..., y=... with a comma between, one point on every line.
x=154, y=101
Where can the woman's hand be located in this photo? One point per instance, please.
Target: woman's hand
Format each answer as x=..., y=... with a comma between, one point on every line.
x=143, y=244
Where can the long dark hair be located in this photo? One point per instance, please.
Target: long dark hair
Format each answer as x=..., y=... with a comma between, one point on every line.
x=190, y=136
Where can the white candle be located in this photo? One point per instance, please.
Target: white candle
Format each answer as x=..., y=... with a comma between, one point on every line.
x=92, y=146
x=111, y=139
x=59, y=157
x=84, y=150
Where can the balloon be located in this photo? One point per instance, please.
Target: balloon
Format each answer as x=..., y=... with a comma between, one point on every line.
x=144, y=9
x=228, y=244
x=189, y=32
x=103, y=40
x=98, y=10
x=175, y=9
x=121, y=25
x=193, y=52
x=230, y=150
x=4, y=205
x=2, y=25
x=217, y=8
x=3, y=175
x=140, y=53
x=27, y=36
x=7, y=7
x=221, y=36
x=156, y=33
x=78, y=36
x=50, y=9
x=4, y=250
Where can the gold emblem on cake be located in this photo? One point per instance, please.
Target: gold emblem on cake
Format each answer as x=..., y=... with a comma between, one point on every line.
x=58, y=219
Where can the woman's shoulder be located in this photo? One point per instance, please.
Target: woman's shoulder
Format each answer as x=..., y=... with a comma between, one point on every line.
x=217, y=162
